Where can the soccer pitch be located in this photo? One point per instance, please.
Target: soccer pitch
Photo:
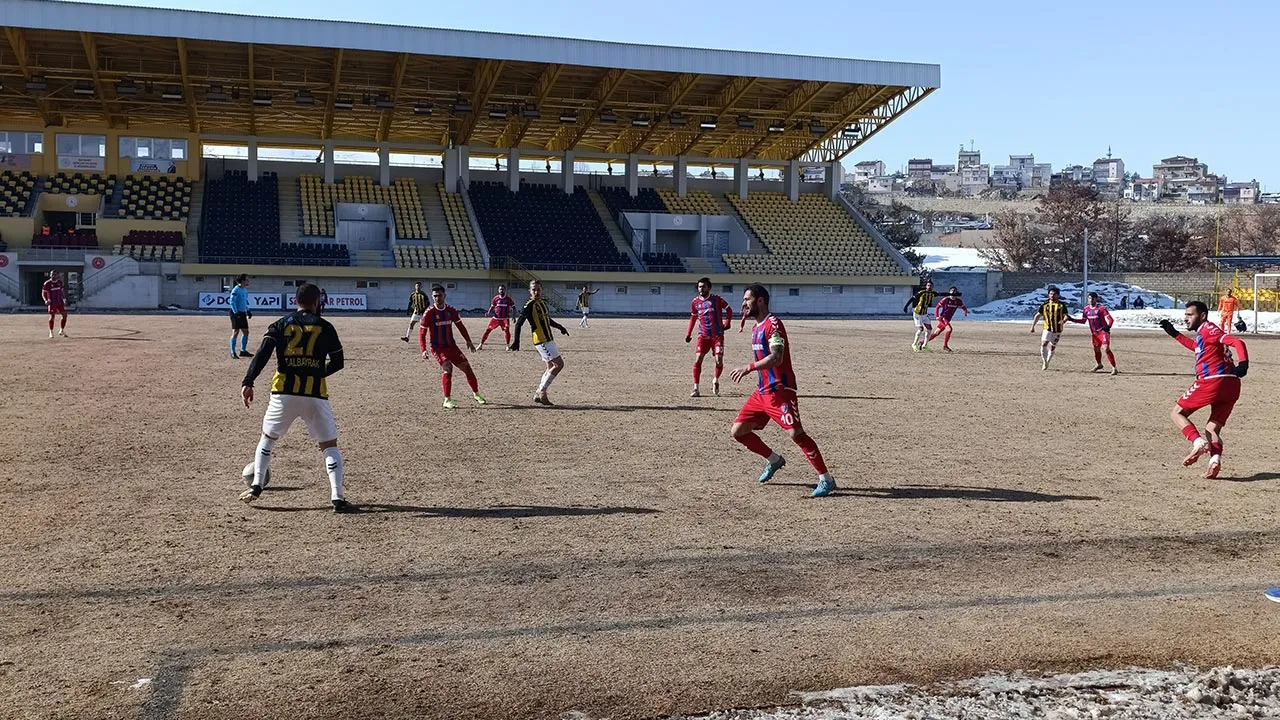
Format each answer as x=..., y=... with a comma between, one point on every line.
x=613, y=555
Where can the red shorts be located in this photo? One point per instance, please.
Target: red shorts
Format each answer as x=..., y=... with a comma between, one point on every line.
x=781, y=407
x=1219, y=394
x=943, y=324
x=1101, y=338
x=449, y=355
x=713, y=345
x=495, y=323
x=57, y=309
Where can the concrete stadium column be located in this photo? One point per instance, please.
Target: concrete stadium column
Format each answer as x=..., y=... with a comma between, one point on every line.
x=680, y=173
x=835, y=178
x=513, y=170
x=566, y=172
x=633, y=175
x=464, y=167
x=328, y=162
x=791, y=180
x=252, y=167
x=384, y=166
x=450, y=161
x=741, y=177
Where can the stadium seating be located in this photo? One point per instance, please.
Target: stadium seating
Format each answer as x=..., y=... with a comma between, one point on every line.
x=76, y=239
x=618, y=200
x=662, y=262
x=16, y=193
x=543, y=227
x=464, y=254
x=80, y=184
x=694, y=202
x=317, y=200
x=812, y=236
x=151, y=245
x=242, y=226
x=161, y=198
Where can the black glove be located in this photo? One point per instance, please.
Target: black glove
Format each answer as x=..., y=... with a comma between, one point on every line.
x=1242, y=368
x=564, y=331
x=688, y=338
x=1107, y=329
x=1167, y=326
x=248, y=314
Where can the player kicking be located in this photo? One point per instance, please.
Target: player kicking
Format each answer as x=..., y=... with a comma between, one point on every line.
x=499, y=313
x=417, y=306
x=918, y=306
x=775, y=396
x=437, y=324
x=302, y=342
x=55, y=300
x=1217, y=384
x=538, y=314
x=1100, y=323
x=1054, y=313
x=584, y=304
x=713, y=316
x=944, y=311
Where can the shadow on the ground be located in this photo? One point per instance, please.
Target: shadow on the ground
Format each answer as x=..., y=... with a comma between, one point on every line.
x=845, y=397
x=506, y=511
x=952, y=492
x=616, y=408
x=1256, y=477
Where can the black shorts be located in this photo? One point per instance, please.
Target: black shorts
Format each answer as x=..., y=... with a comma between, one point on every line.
x=239, y=321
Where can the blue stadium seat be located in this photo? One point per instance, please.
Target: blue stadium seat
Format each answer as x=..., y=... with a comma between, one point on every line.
x=545, y=228
x=242, y=226
x=618, y=200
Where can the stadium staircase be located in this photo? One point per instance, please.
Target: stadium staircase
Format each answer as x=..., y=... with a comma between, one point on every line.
x=10, y=290
x=517, y=275
x=373, y=258
x=727, y=208
x=615, y=232
x=433, y=210
x=191, y=248
x=290, y=212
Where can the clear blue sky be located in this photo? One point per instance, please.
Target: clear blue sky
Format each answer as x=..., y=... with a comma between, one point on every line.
x=1149, y=78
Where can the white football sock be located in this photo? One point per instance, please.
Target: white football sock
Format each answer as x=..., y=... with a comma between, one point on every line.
x=261, y=459
x=333, y=466
x=547, y=378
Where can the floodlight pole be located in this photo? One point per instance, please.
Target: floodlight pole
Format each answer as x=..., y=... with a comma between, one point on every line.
x=1086, y=266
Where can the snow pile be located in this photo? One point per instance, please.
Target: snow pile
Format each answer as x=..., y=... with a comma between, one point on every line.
x=1024, y=306
x=950, y=258
x=1130, y=694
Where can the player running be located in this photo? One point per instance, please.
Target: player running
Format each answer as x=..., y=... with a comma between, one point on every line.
x=584, y=304
x=918, y=306
x=1054, y=313
x=1227, y=306
x=775, y=396
x=538, y=314
x=437, y=324
x=713, y=316
x=302, y=342
x=499, y=313
x=417, y=306
x=1217, y=384
x=1100, y=322
x=55, y=300
x=944, y=311
x=238, y=300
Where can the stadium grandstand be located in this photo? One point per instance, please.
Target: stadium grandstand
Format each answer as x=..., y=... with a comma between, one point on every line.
x=153, y=154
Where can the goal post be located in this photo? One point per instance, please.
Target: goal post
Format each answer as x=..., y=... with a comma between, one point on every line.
x=1256, y=278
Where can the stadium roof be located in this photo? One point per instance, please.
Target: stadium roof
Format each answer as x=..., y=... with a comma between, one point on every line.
x=79, y=64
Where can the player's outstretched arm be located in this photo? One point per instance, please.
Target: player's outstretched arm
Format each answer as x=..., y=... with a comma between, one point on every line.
x=1172, y=332
x=558, y=326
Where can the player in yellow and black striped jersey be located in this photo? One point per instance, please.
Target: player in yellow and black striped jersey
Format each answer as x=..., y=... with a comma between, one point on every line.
x=537, y=313
x=307, y=352
x=919, y=305
x=1055, y=315
x=417, y=306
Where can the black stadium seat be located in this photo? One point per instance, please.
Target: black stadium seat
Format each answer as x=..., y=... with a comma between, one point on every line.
x=545, y=228
x=241, y=223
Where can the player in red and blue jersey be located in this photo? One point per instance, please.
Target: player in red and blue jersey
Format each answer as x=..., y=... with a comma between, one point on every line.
x=499, y=313
x=55, y=299
x=775, y=396
x=435, y=335
x=944, y=311
x=1217, y=384
x=1100, y=322
x=713, y=316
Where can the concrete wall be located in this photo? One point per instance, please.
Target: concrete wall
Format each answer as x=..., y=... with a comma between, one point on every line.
x=131, y=292
x=972, y=286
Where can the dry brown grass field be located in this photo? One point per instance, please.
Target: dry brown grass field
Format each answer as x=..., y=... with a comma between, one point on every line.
x=613, y=555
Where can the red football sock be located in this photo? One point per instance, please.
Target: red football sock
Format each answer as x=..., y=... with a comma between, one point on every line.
x=506, y=332
x=1097, y=356
x=753, y=443
x=64, y=322
x=1111, y=358
x=946, y=339
x=485, y=335
x=446, y=382
x=1190, y=433
x=933, y=334
x=719, y=369
x=697, y=373
x=811, y=451
x=1215, y=448
x=50, y=322
x=471, y=379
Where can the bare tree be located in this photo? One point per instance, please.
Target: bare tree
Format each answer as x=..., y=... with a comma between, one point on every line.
x=1017, y=243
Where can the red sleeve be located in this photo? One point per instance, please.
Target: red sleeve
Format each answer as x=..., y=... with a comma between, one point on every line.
x=937, y=309
x=457, y=320
x=728, y=313
x=1185, y=341
x=1106, y=315
x=1236, y=344
x=693, y=318
x=422, y=333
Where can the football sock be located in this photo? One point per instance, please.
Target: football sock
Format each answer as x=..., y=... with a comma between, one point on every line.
x=485, y=335
x=753, y=443
x=1111, y=358
x=1097, y=356
x=446, y=383
x=946, y=339
x=1215, y=449
x=1050, y=355
x=244, y=340
x=810, y=449
x=410, y=330
x=233, y=339
x=64, y=327
x=507, y=334
x=1190, y=433
x=697, y=373
x=547, y=377
x=719, y=369
x=333, y=466
x=51, y=330
x=471, y=378
x=261, y=459
x=1044, y=349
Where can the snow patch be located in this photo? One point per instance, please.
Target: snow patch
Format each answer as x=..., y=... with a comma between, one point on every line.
x=950, y=258
x=1024, y=306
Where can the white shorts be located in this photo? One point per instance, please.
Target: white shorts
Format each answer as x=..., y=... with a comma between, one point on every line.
x=315, y=412
x=921, y=320
x=1049, y=337
x=548, y=350
x=415, y=318
x=586, y=311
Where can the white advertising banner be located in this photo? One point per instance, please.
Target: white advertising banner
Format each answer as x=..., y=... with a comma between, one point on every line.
x=257, y=301
x=347, y=301
x=81, y=162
